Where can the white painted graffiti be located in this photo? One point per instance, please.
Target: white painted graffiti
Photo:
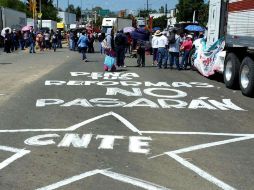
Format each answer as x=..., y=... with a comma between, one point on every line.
x=106, y=76
x=137, y=144
x=166, y=103
x=128, y=83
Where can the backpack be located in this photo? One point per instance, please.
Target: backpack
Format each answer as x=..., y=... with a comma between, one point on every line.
x=172, y=38
x=120, y=40
x=104, y=44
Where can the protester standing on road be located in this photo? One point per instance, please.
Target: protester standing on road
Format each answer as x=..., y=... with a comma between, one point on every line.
x=54, y=41
x=21, y=40
x=7, y=41
x=83, y=44
x=110, y=39
x=39, y=40
x=120, y=45
x=162, y=51
x=32, y=40
x=174, y=49
x=186, y=48
x=59, y=38
x=71, y=40
x=101, y=37
x=47, y=40
x=155, y=48
x=90, y=44
x=141, y=51
x=75, y=42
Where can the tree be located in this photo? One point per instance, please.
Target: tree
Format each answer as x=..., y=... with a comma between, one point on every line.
x=78, y=13
x=49, y=12
x=16, y=5
x=160, y=22
x=162, y=10
x=186, y=9
x=71, y=9
x=97, y=9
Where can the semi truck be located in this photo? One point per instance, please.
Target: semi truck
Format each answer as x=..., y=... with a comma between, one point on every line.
x=48, y=25
x=11, y=18
x=115, y=23
x=233, y=21
x=141, y=22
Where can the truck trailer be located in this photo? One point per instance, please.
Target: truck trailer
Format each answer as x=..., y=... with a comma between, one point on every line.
x=48, y=25
x=233, y=20
x=115, y=23
x=11, y=18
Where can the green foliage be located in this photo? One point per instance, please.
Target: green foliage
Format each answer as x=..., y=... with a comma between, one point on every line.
x=186, y=9
x=160, y=22
x=144, y=13
x=162, y=10
x=71, y=9
x=16, y=5
x=49, y=12
x=97, y=9
x=78, y=13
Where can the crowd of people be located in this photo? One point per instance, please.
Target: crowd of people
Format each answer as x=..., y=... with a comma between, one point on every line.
x=166, y=48
x=45, y=40
x=170, y=48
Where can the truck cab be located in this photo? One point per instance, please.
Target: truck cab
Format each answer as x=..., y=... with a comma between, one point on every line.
x=107, y=23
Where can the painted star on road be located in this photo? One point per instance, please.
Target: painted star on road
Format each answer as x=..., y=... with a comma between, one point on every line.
x=18, y=154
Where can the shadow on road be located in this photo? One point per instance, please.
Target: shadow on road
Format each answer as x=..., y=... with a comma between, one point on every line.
x=5, y=63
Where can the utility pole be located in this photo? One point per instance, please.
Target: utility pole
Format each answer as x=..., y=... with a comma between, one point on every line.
x=81, y=7
x=57, y=4
x=68, y=18
x=40, y=14
x=147, y=6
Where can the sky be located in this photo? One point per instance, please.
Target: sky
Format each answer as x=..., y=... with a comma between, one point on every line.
x=115, y=5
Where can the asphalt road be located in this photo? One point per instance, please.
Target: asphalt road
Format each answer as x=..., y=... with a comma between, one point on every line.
x=143, y=128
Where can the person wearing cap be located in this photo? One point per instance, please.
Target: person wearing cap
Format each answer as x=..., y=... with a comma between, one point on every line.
x=155, y=47
x=186, y=48
x=162, y=51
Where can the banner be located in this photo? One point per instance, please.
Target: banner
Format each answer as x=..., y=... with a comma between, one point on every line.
x=209, y=61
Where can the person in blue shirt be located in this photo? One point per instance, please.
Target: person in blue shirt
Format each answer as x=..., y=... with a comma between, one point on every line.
x=83, y=44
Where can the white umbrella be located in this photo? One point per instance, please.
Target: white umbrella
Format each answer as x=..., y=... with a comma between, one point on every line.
x=3, y=31
x=128, y=29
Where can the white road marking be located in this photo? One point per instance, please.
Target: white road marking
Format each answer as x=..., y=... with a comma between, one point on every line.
x=118, y=177
x=74, y=127
x=70, y=180
x=197, y=170
x=19, y=153
x=201, y=172
x=195, y=133
x=172, y=154
x=134, y=181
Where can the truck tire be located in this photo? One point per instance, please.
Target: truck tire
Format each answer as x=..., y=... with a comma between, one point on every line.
x=247, y=77
x=231, y=71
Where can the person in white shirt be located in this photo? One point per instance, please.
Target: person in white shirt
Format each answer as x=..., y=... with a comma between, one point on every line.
x=174, y=49
x=162, y=51
x=155, y=48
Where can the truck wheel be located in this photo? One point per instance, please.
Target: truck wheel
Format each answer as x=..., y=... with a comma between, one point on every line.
x=191, y=59
x=247, y=77
x=231, y=71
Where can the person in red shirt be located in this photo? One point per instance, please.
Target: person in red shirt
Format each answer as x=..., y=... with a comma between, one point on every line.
x=186, y=48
